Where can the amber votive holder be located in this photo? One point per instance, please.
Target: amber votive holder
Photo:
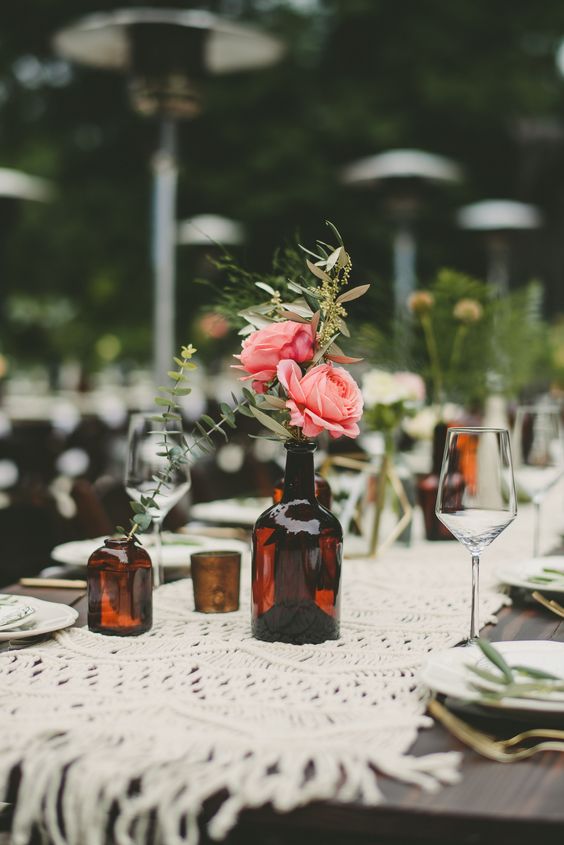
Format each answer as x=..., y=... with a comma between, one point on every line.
x=216, y=578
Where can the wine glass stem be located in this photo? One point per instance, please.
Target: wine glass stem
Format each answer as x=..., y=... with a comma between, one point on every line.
x=475, y=618
x=158, y=575
x=536, y=534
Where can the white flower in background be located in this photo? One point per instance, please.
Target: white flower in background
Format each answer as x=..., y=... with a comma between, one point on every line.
x=413, y=385
x=422, y=425
x=380, y=387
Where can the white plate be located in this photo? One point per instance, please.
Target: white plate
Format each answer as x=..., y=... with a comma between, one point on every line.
x=15, y=614
x=446, y=672
x=518, y=573
x=49, y=616
x=176, y=552
x=244, y=512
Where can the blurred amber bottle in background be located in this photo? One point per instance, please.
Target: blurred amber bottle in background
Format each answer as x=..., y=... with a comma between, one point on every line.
x=428, y=487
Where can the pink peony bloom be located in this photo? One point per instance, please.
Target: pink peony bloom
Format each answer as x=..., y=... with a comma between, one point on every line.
x=327, y=397
x=264, y=349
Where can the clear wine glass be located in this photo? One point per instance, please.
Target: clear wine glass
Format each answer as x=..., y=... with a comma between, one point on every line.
x=539, y=456
x=476, y=498
x=148, y=442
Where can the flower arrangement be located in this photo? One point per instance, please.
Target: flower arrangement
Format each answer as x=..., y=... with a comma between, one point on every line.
x=290, y=354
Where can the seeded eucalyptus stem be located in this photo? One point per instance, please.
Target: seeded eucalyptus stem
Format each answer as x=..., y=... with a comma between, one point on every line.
x=141, y=518
x=178, y=455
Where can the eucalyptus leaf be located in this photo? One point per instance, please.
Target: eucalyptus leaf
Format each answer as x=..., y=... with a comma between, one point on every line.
x=353, y=293
x=296, y=318
x=249, y=396
x=317, y=271
x=274, y=401
x=311, y=301
x=270, y=423
x=142, y=520
x=333, y=258
x=535, y=673
x=496, y=658
x=309, y=252
x=335, y=231
x=176, y=376
x=228, y=415
x=322, y=350
x=265, y=287
x=315, y=322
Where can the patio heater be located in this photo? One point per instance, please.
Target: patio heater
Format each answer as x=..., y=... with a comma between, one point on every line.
x=166, y=54
x=208, y=235
x=498, y=220
x=15, y=185
x=402, y=178
x=210, y=230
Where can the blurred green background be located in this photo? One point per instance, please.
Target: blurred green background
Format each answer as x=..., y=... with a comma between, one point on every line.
x=472, y=80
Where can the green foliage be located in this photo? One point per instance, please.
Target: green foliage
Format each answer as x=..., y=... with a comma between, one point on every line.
x=201, y=441
x=238, y=288
x=385, y=418
x=505, y=349
x=453, y=78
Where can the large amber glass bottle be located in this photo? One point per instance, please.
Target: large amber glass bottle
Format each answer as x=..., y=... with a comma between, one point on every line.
x=297, y=554
x=120, y=589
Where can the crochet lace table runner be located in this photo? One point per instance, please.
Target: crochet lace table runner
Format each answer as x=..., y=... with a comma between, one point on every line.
x=143, y=730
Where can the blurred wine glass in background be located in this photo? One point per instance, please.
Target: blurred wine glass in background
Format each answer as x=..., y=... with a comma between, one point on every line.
x=538, y=456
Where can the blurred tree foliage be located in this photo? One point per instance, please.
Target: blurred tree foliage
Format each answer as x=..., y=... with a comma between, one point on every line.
x=473, y=80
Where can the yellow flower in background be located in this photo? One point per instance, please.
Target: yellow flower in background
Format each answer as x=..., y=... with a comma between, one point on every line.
x=468, y=311
x=420, y=302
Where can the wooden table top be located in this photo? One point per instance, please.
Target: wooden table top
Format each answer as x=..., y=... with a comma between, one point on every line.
x=497, y=803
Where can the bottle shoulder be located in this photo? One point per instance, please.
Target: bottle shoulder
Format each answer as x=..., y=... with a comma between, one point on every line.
x=122, y=555
x=291, y=514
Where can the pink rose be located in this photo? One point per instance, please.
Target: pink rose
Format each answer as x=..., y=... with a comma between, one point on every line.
x=327, y=397
x=264, y=349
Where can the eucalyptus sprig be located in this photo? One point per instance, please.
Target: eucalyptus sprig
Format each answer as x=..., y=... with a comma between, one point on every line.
x=549, y=576
x=505, y=683
x=179, y=455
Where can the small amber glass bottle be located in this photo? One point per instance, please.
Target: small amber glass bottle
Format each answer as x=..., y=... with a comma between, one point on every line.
x=120, y=589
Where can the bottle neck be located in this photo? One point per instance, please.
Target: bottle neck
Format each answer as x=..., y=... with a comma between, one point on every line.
x=299, y=481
